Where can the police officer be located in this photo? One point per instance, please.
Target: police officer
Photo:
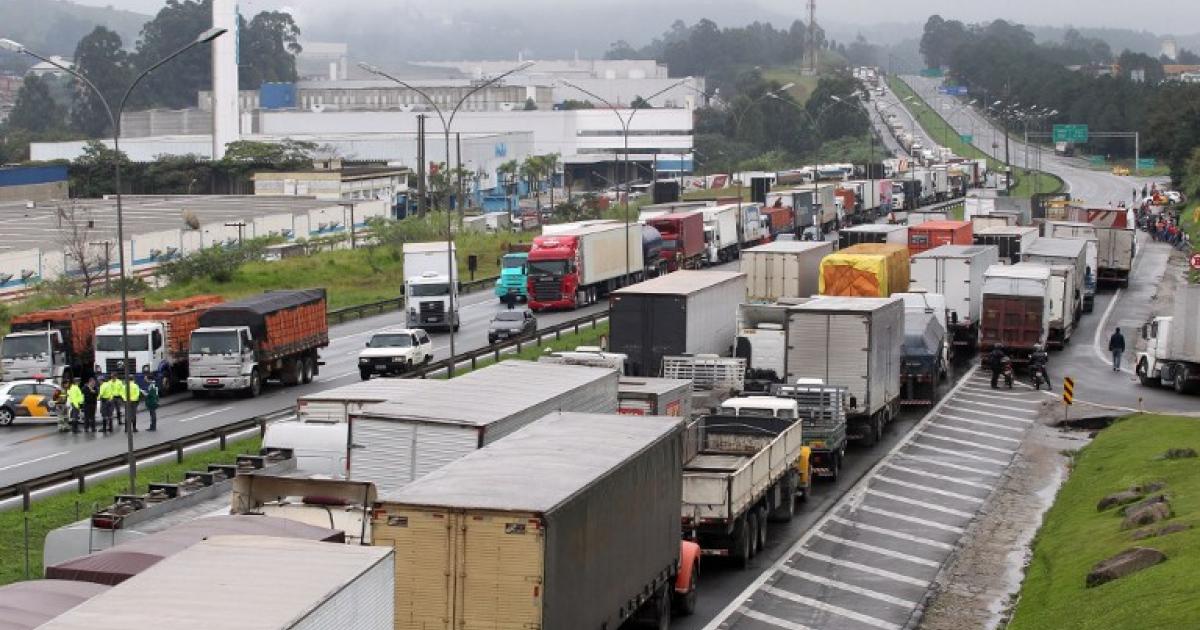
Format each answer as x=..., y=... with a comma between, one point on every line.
x=107, y=403
x=131, y=394
x=74, y=404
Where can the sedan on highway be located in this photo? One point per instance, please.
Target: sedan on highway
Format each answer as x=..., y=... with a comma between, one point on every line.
x=27, y=399
x=511, y=325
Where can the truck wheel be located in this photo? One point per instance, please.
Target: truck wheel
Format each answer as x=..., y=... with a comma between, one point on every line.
x=293, y=372
x=1143, y=374
x=835, y=465
x=787, y=509
x=309, y=365
x=762, y=525
x=752, y=531
x=1180, y=378
x=742, y=546
x=685, y=604
x=255, y=384
x=662, y=608
x=364, y=375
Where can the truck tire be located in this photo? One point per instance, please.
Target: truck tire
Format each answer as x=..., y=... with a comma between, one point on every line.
x=752, y=531
x=786, y=509
x=1143, y=374
x=255, y=384
x=685, y=604
x=762, y=526
x=741, y=549
x=364, y=375
x=293, y=372
x=835, y=465
x=309, y=364
x=1180, y=378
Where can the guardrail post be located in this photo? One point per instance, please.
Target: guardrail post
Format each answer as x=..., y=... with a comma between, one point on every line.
x=221, y=439
x=497, y=351
x=24, y=497
x=518, y=346
x=262, y=428
x=557, y=334
x=81, y=479
x=178, y=453
x=576, y=328
x=472, y=362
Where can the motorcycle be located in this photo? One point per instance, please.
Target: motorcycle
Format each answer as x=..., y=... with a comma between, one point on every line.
x=1037, y=378
x=1006, y=370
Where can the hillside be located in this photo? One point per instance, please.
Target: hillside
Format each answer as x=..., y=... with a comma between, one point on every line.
x=53, y=27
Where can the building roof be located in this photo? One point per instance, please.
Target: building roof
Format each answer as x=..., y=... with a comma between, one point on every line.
x=348, y=173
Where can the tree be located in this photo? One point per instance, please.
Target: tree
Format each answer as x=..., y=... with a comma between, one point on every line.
x=574, y=104
x=99, y=56
x=640, y=103
x=92, y=173
x=88, y=259
x=530, y=105
x=35, y=110
x=271, y=41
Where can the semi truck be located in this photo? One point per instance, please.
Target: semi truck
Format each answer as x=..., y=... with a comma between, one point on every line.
x=683, y=244
x=783, y=269
x=240, y=345
x=956, y=272
x=429, y=273
x=931, y=234
x=1117, y=247
x=159, y=338
x=1062, y=315
x=865, y=270
x=815, y=208
x=578, y=267
x=1016, y=309
x=595, y=542
x=513, y=278
x=686, y=312
x=1066, y=251
x=1010, y=241
x=1171, y=357
x=873, y=233
x=720, y=233
x=851, y=342
x=1090, y=234
x=57, y=343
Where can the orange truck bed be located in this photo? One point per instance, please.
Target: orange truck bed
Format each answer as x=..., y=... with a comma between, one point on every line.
x=866, y=270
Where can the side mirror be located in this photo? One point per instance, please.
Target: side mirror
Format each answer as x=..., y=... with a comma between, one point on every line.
x=1145, y=331
x=367, y=345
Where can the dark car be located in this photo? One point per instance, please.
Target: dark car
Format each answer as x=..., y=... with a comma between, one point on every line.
x=511, y=325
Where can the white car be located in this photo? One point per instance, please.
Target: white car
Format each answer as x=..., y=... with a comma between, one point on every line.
x=394, y=351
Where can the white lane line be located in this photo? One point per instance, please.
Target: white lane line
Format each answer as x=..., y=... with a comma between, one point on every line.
x=991, y=425
x=866, y=568
x=336, y=377
x=875, y=549
x=891, y=532
x=1103, y=326
x=931, y=475
x=993, y=415
x=924, y=488
x=206, y=414
x=34, y=461
x=946, y=451
x=971, y=390
x=830, y=608
x=929, y=506
x=1019, y=401
x=843, y=586
x=962, y=401
x=770, y=619
x=990, y=436
x=968, y=443
x=945, y=464
x=911, y=519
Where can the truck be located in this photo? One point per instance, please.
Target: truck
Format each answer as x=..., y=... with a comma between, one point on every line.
x=683, y=242
x=851, y=342
x=925, y=215
x=522, y=555
x=779, y=220
x=743, y=477
x=721, y=233
x=906, y=196
x=815, y=208
x=513, y=278
x=873, y=198
x=394, y=443
x=865, y=270
x=924, y=350
x=783, y=269
x=430, y=274
x=1171, y=357
x=686, y=312
x=654, y=397
x=57, y=344
x=822, y=411
x=1116, y=249
x=578, y=267
x=931, y=234
x=1065, y=251
x=1015, y=309
x=1009, y=241
x=1062, y=315
x=873, y=233
x=762, y=341
x=956, y=272
x=159, y=338
x=1090, y=234
x=240, y=345
x=848, y=202
x=334, y=406
x=755, y=225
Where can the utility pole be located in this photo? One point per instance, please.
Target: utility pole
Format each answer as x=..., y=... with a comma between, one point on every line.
x=462, y=205
x=107, y=261
x=240, y=225
x=421, y=207
x=349, y=205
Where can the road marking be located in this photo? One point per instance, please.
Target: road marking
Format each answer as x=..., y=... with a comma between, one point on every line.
x=336, y=377
x=34, y=461
x=929, y=506
x=844, y=586
x=206, y=414
x=775, y=621
x=922, y=488
x=980, y=458
x=1010, y=400
x=865, y=568
x=990, y=436
x=926, y=473
x=945, y=464
x=968, y=443
x=830, y=608
x=994, y=425
x=883, y=551
x=1103, y=325
x=1012, y=395
x=988, y=413
x=891, y=532
x=963, y=401
x=912, y=519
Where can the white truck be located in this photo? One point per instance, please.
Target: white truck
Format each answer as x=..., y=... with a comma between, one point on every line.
x=721, y=233
x=1062, y=316
x=783, y=269
x=1065, y=251
x=1117, y=248
x=1091, y=235
x=1010, y=241
x=1172, y=354
x=430, y=271
x=956, y=272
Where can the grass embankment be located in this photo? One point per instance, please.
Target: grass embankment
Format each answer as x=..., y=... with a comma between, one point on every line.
x=530, y=351
x=1074, y=536
x=53, y=512
x=804, y=86
x=1027, y=181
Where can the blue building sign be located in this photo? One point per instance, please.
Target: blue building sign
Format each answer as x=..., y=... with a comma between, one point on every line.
x=501, y=149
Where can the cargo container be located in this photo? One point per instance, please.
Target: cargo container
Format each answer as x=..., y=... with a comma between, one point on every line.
x=1085, y=232
x=873, y=233
x=1062, y=316
x=783, y=269
x=56, y=343
x=1064, y=251
x=158, y=340
x=430, y=271
x=335, y=405
x=654, y=397
x=922, y=216
x=1009, y=241
x=578, y=267
x=240, y=345
x=28, y=605
x=721, y=238
x=931, y=234
x=856, y=343
x=995, y=219
x=686, y=312
x=572, y=522
x=1116, y=249
x=250, y=582
x=1172, y=354
x=683, y=245
x=1016, y=309
x=865, y=270
x=396, y=442
x=923, y=365
x=780, y=219
x=956, y=272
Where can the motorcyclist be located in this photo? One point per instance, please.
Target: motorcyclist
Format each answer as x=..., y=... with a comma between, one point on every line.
x=996, y=362
x=1037, y=364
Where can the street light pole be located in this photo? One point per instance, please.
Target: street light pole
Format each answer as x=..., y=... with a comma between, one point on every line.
x=115, y=121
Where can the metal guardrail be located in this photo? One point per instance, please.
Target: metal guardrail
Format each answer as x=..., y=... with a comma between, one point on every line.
x=359, y=311
x=221, y=433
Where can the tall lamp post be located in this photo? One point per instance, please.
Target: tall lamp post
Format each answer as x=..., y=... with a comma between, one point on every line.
x=114, y=120
x=446, y=123
x=816, y=123
x=626, y=121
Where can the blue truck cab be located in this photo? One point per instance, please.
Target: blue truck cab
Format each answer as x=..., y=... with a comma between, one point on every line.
x=512, y=275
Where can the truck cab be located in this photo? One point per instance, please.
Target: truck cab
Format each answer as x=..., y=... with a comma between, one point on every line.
x=147, y=347
x=222, y=358
x=429, y=302
x=394, y=352
x=513, y=276
x=1155, y=366
x=33, y=353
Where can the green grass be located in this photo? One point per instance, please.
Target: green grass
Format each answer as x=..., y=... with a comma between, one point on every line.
x=1075, y=536
x=805, y=83
x=587, y=336
x=1027, y=182
x=56, y=511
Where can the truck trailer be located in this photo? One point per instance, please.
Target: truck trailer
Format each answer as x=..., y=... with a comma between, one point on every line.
x=956, y=272
x=1071, y=252
x=865, y=270
x=1009, y=241
x=1016, y=309
x=1172, y=354
x=931, y=234
x=873, y=233
x=159, y=338
x=578, y=267
x=783, y=269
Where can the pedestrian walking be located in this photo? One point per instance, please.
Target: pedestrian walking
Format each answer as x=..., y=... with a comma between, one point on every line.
x=152, y=402
x=91, y=395
x=1116, y=345
x=131, y=395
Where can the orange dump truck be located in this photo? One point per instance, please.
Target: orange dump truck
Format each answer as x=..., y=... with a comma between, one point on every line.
x=865, y=270
x=158, y=340
x=56, y=342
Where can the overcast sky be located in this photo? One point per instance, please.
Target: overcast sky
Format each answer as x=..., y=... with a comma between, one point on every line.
x=1161, y=16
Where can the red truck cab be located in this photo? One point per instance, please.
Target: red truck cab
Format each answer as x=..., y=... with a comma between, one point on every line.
x=682, y=239
x=553, y=272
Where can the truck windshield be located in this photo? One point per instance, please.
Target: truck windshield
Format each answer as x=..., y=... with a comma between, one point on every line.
x=513, y=263
x=547, y=267
x=429, y=290
x=112, y=343
x=24, y=346
x=214, y=343
x=390, y=341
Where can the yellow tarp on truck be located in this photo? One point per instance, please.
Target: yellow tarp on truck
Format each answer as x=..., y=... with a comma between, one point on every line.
x=866, y=270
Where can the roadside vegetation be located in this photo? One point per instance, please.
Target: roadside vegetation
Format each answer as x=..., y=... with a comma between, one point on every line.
x=1075, y=535
x=53, y=512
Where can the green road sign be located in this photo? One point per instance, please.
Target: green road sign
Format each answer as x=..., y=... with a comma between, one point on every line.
x=1071, y=133
x=932, y=73
x=967, y=138
x=1145, y=163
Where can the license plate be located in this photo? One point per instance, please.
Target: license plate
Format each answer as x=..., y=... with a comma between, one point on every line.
x=213, y=381
x=380, y=368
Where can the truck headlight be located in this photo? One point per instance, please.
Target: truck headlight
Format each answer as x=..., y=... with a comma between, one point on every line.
x=397, y=359
x=364, y=360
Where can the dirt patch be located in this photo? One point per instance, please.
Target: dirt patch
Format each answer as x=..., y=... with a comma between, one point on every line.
x=976, y=589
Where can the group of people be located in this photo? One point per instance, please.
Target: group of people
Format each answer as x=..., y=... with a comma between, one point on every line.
x=112, y=399
x=1038, y=359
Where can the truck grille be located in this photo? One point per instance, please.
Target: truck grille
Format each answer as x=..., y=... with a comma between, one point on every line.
x=432, y=307
x=113, y=366
x=547, y=290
